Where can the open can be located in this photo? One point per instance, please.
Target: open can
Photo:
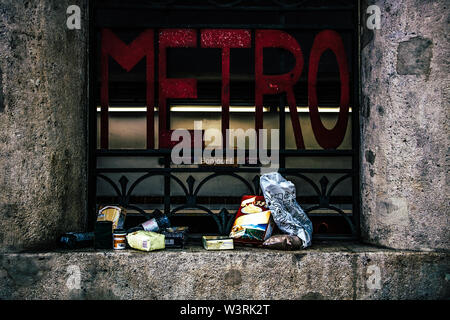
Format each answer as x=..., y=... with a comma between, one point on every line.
x=119, y=239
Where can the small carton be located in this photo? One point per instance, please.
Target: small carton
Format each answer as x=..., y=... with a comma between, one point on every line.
x=115, y=214
x=176, y=237
x=253, y=222
x=217, y=243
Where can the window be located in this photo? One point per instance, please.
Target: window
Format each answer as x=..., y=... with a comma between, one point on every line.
x=158, y=66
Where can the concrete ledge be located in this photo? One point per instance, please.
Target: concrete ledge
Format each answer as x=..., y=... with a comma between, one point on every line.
x=324, y=271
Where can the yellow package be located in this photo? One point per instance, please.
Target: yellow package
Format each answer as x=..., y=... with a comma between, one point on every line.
x=217, y=243
x=114, y=214
x=146, y=240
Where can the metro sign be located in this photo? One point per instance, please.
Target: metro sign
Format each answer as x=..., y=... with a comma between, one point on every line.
x=128, y=55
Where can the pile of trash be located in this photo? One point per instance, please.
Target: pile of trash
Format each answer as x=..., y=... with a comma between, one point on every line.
x=254, y=224
x=154, y=234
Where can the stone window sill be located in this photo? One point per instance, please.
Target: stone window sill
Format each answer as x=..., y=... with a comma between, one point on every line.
x=343, y=270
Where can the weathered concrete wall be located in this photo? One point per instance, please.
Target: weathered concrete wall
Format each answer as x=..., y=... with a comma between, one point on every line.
x=405, y=125
x=324, y=272
x=42, y=122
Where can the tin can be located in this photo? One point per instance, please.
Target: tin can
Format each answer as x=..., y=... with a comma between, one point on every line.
x=119, y=239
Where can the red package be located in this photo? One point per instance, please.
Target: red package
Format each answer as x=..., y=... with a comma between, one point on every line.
x=253, y=222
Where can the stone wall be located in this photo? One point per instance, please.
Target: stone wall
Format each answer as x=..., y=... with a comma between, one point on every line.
x=334, y=272
x=405, y=125
x=43, y=122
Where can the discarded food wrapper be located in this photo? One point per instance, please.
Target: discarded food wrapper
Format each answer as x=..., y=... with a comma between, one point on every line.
x=217, y=243
x=115, y=214
x=253, y=223
x=290, y=218
x=175, y=237
x=146, y=240
x=283, y=242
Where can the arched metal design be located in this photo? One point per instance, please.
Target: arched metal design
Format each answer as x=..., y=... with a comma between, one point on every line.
x=305, y=178
x=152, y=174
x=335, y=183
x=289, y=4
x=341, y=213
x=105, y=178
x=224, y=218
x=215, y=175
x=225, y=3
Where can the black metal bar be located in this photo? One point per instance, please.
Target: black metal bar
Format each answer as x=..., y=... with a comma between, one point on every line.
x=164, y=152
x=154, y=6
x=92, y=122
x=222, y=169
x=356, y=192
x=281, y=107
x=325, y=237
x=149, y=25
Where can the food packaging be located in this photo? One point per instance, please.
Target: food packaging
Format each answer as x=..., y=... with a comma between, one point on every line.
x=217, y=243
x=146, y=240
x=119, y=239
x=176, y=237
x=253, y=222
x=290, y=218
x=114, y=214
x=283, y=242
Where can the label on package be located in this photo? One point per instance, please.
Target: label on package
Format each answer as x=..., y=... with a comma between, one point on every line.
x=253, y=222
x=150, y=225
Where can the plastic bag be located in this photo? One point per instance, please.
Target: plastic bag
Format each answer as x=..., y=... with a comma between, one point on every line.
x=290, y=218
x=283, y=242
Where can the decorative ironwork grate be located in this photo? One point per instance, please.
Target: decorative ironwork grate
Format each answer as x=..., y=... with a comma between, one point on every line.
x=329, y=193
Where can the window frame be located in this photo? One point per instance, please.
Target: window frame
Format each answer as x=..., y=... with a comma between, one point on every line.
x=224, y=217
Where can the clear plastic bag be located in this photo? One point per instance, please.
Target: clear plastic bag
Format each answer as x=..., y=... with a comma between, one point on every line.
x=290, y=218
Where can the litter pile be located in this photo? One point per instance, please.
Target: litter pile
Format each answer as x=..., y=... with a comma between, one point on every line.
x=254, y=224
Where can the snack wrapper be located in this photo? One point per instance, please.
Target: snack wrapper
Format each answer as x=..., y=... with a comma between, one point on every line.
x=146, y=240
x=114, y=214
x=253, y=223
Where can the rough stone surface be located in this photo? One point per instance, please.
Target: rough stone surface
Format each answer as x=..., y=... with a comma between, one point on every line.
x=404, y=125
x=42, y=122
x=414, y=56
x=342, y=271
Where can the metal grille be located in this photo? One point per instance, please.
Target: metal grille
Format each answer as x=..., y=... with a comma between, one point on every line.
x=335, y=215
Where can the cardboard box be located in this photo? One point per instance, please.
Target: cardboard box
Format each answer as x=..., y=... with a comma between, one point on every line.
x=217, y=243
x=253, y=222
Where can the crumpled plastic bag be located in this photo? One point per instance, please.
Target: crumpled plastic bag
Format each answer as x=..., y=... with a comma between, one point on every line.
x=283, y=242
x=290, y=218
